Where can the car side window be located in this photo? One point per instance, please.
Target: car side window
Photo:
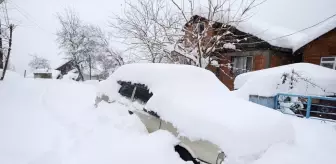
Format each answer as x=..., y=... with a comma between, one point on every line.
x=136, y=91
x=126, y=89
x=142, y=93
x=151, y=113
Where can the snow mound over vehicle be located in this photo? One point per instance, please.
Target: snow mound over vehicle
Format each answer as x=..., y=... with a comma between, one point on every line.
x=201, y=107
x=55, y=122
x=299, y=78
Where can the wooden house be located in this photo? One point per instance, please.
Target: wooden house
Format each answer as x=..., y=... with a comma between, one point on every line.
x=250, y=52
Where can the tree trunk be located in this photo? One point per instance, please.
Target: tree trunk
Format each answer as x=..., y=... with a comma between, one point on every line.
x=80, y=72
x=90, y=66
x=9, y=51
x=1, y=51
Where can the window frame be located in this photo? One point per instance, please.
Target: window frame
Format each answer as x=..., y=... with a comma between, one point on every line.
x=241, y=70
x=328, y=62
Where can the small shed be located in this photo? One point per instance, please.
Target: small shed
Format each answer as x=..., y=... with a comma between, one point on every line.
x=45, y=74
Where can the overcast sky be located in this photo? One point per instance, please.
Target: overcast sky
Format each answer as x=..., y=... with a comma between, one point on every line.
x=37, y=23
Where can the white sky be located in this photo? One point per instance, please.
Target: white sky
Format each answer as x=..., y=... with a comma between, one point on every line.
x=37, y=25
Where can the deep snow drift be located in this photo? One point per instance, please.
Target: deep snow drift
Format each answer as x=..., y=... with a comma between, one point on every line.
x=190, y=97
x=55, y=122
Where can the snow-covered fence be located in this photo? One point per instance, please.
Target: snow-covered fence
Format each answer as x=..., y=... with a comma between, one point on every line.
x=316, y=107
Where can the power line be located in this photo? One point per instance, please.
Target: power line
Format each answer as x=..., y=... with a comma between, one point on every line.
x=29, y=18
x=293, y=33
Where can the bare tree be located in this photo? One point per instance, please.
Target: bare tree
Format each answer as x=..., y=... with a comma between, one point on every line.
x=208, y=32
x=107, y=65
x=72, y=39
x=86, y=45
x=39, y=63
x=106, y=49
x=149, y=27
x=6, y=39
x=7, y=57
x=106, y=58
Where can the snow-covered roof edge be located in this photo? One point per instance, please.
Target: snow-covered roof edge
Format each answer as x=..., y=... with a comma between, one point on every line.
x=279, y=35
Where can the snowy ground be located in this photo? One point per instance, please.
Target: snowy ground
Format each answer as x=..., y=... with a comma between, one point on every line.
x=55, y=122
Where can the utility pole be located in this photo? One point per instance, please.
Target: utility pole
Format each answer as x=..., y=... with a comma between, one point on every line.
x=11, y=28
x=1, y=51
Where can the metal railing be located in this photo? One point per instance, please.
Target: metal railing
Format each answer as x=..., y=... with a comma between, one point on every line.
x=316, y=107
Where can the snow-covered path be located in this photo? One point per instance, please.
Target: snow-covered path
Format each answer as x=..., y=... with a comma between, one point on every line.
x=49, y=121
x=55, y=122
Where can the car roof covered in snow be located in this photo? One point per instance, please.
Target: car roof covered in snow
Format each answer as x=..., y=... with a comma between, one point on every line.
x=177, y=77
x=201, y=107
x=308, y=79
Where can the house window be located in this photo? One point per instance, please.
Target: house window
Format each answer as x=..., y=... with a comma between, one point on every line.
x=200, y=27
x=329, y=62
x=242, y=64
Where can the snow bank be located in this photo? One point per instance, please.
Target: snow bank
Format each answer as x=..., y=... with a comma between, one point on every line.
x=309, y=79
x=92, y=82
x=315, y=144
x=55, y=122
x=11, y=75
x=192, y=97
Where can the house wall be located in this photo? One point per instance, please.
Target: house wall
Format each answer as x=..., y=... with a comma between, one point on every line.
x=191, y=31
x=43, y=75
x=280, y=58
x=323, y=46
x=224, y=72
x=261, y=59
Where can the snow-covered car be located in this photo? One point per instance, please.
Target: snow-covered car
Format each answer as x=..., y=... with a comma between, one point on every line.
x=198, y=109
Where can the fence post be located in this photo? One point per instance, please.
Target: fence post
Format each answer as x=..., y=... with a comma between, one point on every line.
x=308, y=107
x=276, y=101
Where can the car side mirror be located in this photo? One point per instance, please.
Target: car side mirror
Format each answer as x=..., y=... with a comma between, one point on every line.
x=220, y=158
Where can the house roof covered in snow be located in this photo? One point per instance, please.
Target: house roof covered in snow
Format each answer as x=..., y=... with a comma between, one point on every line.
x=43, y=70
x=283, y=23
x=299, y=78
x=62, y=64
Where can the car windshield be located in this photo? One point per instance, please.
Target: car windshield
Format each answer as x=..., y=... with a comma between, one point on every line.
x=141, y=94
